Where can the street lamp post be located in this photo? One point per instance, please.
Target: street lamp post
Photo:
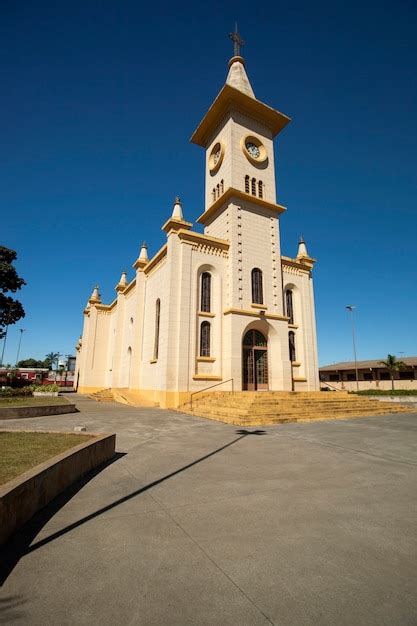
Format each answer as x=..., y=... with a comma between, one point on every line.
x=350, y=308
x=22, y=330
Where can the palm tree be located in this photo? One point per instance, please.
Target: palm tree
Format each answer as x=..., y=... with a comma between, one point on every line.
x=52, y=358
x=393, y=366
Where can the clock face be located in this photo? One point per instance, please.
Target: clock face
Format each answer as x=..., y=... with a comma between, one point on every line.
x=253, y=149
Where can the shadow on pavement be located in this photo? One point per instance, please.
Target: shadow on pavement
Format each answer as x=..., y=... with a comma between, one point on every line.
x=18, y=545
x=22, y=544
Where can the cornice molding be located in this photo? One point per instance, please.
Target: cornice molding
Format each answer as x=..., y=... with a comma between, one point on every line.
x=230, y=193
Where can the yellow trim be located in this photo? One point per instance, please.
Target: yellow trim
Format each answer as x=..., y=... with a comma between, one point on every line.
x=130, y=286
x=206, y=377
x=259, y=306
x=268, y=316
x=230, y=98
x=155, y=259
x=214, y=167
x=299, y=380
x=292, y=325
x=230, y=193
x=206, y=314
x=106, y=307
x=206, y=359
x=175, y=224
x=285, y=260
x=192, y=237
x=296, y=363
x=153, y=361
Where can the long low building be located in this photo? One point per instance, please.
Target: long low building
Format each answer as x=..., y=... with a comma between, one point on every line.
x=371, y=374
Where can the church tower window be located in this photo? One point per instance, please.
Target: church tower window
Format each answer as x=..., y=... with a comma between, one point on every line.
x=289, y=306
x=205, y=339
x=247, y=184
x=205, y=292
x=253, y=186
x=260, y=189
x=213, y=194
x=222, y=186
x=257, y=289
x=291, y=345
x=157, y=324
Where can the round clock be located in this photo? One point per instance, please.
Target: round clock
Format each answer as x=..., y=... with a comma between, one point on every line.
x=216, y=157
x=253, y=149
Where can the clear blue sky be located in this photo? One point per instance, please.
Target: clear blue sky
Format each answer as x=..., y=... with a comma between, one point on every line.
x=99, y=100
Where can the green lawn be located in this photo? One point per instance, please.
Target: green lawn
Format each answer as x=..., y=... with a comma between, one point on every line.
x=20, y=451
x=31, y=401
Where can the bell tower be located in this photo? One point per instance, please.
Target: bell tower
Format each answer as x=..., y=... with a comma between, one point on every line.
x=237, y=133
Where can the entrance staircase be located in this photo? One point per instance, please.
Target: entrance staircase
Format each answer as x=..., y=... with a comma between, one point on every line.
x=104, y=395
x=252, y=408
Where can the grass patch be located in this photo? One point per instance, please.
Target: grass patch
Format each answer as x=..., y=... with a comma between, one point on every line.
x=386, y=392
x=30, y=401
x=20, y=451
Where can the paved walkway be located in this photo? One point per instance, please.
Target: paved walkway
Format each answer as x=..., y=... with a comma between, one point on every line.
x=202, y=523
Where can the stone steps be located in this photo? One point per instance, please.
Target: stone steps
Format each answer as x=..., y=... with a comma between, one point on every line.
x=104, y=395
x=257, y=408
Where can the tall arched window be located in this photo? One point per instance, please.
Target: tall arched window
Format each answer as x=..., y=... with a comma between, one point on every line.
x=247, y=184
x=254, y=186
x=213, y=194
x=205, y=292
x=289, y=306
x=291, y=345
x=222, y=186
x=257, y=289
x=205, y=339
x=218, y=190
x=157, y=323
x=260, y=189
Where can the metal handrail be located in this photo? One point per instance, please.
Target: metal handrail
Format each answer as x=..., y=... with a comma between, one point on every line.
x=211, y=387
x=329, y=385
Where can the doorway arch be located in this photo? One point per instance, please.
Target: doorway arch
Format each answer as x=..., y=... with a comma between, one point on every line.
x=254, y=361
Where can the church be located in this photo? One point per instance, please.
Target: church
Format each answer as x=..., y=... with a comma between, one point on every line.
x=223, y=309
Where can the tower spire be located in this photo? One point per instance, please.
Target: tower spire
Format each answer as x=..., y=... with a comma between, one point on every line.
x=237, y=41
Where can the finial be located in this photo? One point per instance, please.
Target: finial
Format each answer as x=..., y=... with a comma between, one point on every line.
x=122, y=282
x=95, y=296
x=143, y=255
x=177, y=210
x=237, y=41
x=301, y=239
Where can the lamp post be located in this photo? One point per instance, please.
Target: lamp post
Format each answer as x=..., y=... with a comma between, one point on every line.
x=350, y=308
x=22, y=330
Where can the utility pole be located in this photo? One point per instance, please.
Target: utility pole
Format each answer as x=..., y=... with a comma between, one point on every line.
x=22, y=330
x=350, y=308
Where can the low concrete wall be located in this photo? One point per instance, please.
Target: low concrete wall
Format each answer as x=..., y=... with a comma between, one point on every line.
x=13, y=412
x=22, y=497
x=412, y=400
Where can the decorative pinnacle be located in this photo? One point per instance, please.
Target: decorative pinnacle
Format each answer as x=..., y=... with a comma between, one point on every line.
x=144, y=245
x=237, y=41
x=301, y=239
x=177, y=200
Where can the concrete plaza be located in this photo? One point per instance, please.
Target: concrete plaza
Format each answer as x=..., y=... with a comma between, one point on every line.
x=197, y=522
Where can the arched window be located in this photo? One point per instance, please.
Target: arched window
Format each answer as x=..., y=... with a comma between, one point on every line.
x=157, y=323
x=222, y=186
x=247, y=184
x=218, y=190
x=254, y=186
x=213, y=194
x=291, y=346
x=260, y=189
x=289, y=306
x=205, y=292
x=205, y=339
x=257, y=290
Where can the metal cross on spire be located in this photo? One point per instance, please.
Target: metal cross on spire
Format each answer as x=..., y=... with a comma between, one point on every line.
x=237, y=41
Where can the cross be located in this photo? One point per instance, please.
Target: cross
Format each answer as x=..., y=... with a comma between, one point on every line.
x=237, y=42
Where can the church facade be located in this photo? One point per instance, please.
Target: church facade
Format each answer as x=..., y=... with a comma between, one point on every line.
x=221, y=308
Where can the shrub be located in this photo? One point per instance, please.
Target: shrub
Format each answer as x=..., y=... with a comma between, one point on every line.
x=44, y=388
x=12, y=392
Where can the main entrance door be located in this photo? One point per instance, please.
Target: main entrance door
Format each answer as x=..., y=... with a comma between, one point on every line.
x=255, y=361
